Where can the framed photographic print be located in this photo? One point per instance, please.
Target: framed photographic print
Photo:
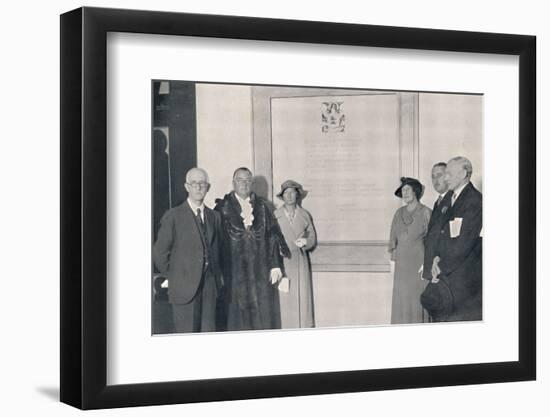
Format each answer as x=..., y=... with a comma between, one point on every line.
x=256, y=208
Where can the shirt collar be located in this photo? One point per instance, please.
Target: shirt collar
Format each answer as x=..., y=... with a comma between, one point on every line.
x=458, y=191
x=194, y=207
x=241, y=200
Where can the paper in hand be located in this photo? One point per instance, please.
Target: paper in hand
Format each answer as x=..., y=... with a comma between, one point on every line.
x=454, y=226
x=284, y=285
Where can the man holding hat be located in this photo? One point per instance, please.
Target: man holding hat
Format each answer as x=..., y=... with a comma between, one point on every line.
x=458, y=257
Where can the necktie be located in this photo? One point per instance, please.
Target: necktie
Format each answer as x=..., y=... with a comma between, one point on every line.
x=453, y=199
x=205, y=238
x=201, y=222
x=439, y=200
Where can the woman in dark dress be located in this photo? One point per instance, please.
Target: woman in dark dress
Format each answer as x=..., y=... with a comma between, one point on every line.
x=408, y=230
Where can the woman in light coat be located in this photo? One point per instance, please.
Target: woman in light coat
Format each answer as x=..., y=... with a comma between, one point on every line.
x=295, y=289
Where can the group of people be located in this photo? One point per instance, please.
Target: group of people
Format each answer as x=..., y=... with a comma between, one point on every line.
x=437, y=253
x=242, y=266
x=239, y=266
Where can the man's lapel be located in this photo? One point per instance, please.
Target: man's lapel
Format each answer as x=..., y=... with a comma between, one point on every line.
x=254, y=204
x=445, y=204
x=445, y=210
x=196, y=221
x=236, y=209
x=459, y=203
x=235, y=202
x=209, y=222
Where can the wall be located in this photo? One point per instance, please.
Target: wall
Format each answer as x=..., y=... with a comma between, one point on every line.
x=30, y=302
x=224, y=131
x=235, y=121
x=228, y=125
x=352, y=298
x=449, y=126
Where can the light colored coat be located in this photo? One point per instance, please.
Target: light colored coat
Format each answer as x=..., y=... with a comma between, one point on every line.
x=297, y=304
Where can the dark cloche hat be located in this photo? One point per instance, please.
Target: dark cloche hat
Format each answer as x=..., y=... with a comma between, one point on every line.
x=414, y=183
x=292, y=184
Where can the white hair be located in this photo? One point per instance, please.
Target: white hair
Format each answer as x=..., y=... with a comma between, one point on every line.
x=465, y=163
x=196, y=170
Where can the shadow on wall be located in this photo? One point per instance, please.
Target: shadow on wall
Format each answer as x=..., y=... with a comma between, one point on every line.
x=261, y=188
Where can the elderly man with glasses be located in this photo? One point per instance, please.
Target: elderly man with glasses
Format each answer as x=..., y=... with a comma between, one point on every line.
x=253, y=247
x=187, y=253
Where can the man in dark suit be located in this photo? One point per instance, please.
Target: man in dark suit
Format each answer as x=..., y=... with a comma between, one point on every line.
x=437, y=219
x=187, y=253
x=459, y=253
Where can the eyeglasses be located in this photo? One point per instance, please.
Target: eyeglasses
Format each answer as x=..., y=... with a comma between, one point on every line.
x=198, y=185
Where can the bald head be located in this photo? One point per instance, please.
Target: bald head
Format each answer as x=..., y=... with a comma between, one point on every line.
x=195, y=173
x=197, y=185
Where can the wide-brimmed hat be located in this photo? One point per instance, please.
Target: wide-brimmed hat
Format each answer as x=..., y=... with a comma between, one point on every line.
x=292, y=184
x=437, y=299
x=414, y=183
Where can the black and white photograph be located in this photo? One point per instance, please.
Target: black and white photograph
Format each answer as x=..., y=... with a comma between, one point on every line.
x=256, y=207
x=282, y=207
x=275, y=209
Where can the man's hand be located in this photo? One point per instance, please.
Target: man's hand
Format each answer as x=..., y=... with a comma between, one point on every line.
x=435, y=270
x=275, y=275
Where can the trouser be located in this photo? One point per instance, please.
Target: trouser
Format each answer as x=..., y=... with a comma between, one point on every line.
x=199, y=315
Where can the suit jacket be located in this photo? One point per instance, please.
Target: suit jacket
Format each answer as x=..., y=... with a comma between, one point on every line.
x=181, y=251
x=437, y=221
x=461, y=256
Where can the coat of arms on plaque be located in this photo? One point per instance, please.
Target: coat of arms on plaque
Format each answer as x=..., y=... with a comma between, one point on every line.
x=332, y=117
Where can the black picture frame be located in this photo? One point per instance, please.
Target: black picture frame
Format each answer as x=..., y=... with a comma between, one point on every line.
x=84, y=207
